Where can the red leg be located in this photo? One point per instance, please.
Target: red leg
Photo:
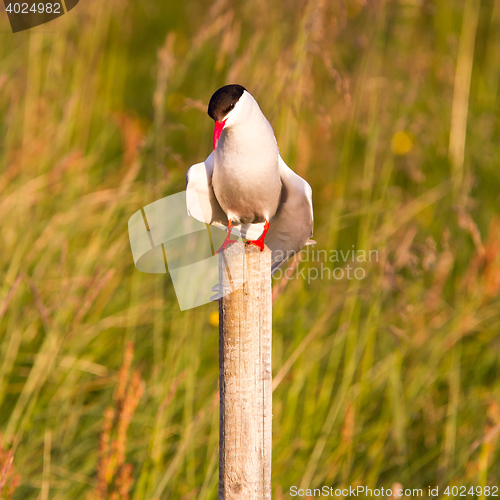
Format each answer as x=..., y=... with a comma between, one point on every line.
x=260, y=242
x=228, y=239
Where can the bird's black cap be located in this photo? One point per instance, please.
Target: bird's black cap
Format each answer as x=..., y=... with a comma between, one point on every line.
x=224, y=100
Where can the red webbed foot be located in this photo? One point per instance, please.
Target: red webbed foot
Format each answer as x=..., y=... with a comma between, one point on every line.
x=260, y=242
x=228, y=241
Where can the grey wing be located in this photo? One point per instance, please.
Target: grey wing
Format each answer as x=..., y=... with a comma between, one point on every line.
x=292, y=226
x=200, y=197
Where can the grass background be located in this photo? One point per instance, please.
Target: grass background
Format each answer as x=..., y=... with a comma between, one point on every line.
x=388, y=108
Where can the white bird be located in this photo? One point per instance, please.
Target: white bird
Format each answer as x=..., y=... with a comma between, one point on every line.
x=244, y=186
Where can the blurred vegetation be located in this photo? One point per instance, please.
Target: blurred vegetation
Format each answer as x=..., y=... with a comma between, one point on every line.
x=388, y=108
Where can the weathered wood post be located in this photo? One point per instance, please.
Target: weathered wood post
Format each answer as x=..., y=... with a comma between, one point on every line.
x=245, y=376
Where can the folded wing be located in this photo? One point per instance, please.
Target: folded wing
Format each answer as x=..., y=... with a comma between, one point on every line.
x=200, y=197
x=292, y=226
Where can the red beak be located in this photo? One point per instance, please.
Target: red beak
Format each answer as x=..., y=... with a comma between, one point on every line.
x=218, y=131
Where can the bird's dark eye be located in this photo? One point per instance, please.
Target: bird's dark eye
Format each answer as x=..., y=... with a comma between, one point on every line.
x=229, y=108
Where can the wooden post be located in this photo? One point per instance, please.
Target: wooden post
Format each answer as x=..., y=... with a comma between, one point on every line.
x=245, y=376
